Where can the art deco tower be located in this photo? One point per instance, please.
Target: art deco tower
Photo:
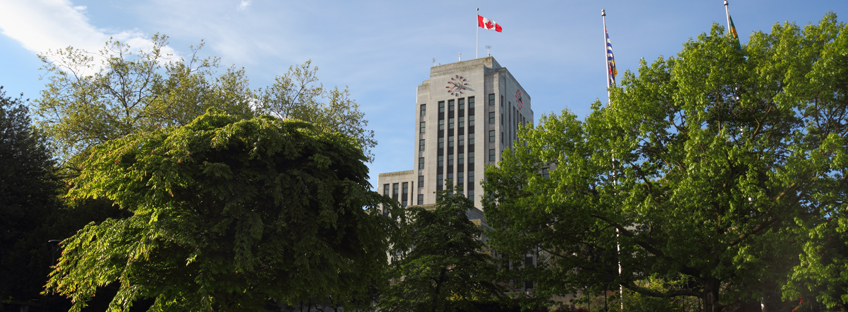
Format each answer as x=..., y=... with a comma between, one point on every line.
x=466, y=114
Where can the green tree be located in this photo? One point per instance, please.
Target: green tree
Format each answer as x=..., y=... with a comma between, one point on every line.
x=448, y=266
x=711, y=166
x=31, y=211
x=297, y=94
x=85, y=103
x=227, y=214
x=28, y=195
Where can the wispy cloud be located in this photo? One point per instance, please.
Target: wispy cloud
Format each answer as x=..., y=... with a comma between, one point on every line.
x=44, y=25
x=243, y=4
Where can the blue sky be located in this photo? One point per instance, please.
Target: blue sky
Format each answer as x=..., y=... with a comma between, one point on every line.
x=382, y=50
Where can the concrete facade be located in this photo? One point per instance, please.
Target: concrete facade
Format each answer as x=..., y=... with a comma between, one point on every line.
x=467, y=113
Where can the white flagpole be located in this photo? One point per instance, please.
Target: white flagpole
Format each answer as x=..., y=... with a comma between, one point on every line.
x=606, y=55
x=477, y=26
x=615, y=180
x=727, y=13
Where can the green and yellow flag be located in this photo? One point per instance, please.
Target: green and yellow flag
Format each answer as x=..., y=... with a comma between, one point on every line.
x=733, y=33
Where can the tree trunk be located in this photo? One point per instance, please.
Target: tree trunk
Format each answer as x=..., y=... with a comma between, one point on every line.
x=711, y=298
x=437, y=297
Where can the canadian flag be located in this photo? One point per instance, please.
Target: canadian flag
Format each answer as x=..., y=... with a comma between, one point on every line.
x=488, y=24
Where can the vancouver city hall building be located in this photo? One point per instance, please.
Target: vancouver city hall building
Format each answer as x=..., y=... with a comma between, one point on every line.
x=466, y=114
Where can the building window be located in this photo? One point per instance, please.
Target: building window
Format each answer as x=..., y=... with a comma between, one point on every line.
x=450, y=177
x=471, y=177
x=441, y=161
x=395, y=191
x=462, y=122
x=492, y=154
x=501, y=119
x=502, y=136
x=461, y=104
x=501, y=101
x=460, y=159
x=461, y=141
x=491, y=135
x=471, y=139
x=441, y=106
x=471, y=121
x=420, y=199
x=491, y=118
x=423, y=109
x=405, y=195
x=470, y=161
x=440, y=178
x=420, y=181
x=471, y=193
x=441, y=124
x=450, y=141
x=420, y=162
x=491, y=99
x=441, y=143
x=421, y=145
x=386, y=189
x=422, y=127
x=450, y=160
x=450, y=123
x=470, y=102
x=450, y=105
x=459, y=177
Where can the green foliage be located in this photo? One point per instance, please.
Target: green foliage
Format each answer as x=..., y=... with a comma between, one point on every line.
x=637, y=302
x=717, y=165
x=227, y=214
x=298, y=95
x=85, y=103
x=28, y=195
x=447, y=267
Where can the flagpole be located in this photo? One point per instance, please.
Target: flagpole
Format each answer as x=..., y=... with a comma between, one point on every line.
x=615, y=180
x=606, y=55
x=727, y=14
x=477, y=26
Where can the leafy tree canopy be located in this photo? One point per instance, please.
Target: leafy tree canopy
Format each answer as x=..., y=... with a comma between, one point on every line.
x=447, y=267
x=85, y=103
x=717, y=165
x=227, y=214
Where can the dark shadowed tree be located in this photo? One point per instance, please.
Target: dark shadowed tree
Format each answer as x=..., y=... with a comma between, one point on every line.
x=28, y=195
x=448, y=266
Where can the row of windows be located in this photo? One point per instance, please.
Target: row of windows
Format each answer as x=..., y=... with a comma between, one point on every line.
x=404, y=196
x=459, y=142
x=420, y=197
x=459, y=159
x=460, y=124
x=440, y=178
x=460, y=156
x=460, y=104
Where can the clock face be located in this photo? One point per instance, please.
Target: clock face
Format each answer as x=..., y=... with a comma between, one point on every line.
x=456, y=85
x=518, y=99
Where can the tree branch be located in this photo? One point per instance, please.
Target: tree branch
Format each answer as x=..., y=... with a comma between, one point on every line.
x=755, y=231
x=653, y=293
